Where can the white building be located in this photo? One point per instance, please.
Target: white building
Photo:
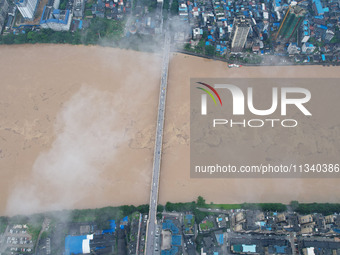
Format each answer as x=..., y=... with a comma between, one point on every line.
x=27, y=8
x=308, y=48
x=293, y=49
x=3, y=13
x=78, y=8
x=241, y=28
x=56, y=19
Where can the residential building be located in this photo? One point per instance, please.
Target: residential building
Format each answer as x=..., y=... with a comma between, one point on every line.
x=241, y=27
x=307, y=48
x=329, y=35
x=293, y=49
x=3, y=13
x=329, y=219
x=318, y=9
x=27, y=8
x=197, y=33
x=183, y=11
x=78, y=8
x=277, y=5
x=306, y=219
x=305, y=31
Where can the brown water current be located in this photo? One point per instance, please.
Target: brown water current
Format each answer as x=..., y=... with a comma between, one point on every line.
x=77, y=127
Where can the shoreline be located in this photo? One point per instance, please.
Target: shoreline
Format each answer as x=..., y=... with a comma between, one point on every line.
x=215, y=58
x=211, y=205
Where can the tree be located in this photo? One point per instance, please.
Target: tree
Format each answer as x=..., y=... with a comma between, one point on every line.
x=210, y=50
x=187, y=46
x=294, y=205
x=160, y=208
x=200, y=201
x=200, y=46
x=174, y=7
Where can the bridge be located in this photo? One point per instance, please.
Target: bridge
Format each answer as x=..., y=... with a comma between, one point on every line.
x=152, y=221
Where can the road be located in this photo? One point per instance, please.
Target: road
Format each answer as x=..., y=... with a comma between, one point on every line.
x=152, y=221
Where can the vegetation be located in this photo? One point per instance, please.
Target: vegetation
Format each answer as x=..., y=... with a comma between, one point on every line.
x=225, y=206
x=201, y=202
x=135, y=216
x=187, y=47
x=35, y=225
x=102, y=216
x=150, y=4
x=189, y=225
x=199, y=215
x=62, y=5
x=275, y=207
x=3, y=224
x=174, y=7
x=166, y=5
x=324, y=208
x=180, y=207
x=209, y=50
x=100, y=29
x=160, y=208
x=206, y=225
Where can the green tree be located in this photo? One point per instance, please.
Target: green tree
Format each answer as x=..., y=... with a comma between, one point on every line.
x=294, y=205
x=160, y=208
x=174, y=7
x=187, y=46
x=210, y=50
x=200, y=201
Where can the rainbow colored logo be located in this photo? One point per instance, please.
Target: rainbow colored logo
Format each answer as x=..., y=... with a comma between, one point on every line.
x=209, y=93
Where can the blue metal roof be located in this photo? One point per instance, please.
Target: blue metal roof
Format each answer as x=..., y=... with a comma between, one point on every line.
x=112, y=227
x=280, y=249
x=318, y=6
x=176, y=240
x=74, y=244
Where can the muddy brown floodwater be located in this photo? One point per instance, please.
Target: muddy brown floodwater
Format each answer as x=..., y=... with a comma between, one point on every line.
x=176, y=184
x=77, y=127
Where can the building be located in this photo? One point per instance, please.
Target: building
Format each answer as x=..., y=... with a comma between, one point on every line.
x=277, y=5
x=239, y=217
x=305, y=31
x=78, y=8
x=293, y=49
x=197, y=33
x=306, y=219
x=183, y=11
x=308, y=48
x=55, y=19
x=281, y=217
x=3, y=13
x=307, y=228
x=243, y=248
x=27, y=8
x=318, y=9
x=53, y=3
x=86, y=244
x=329, y=35
x=241, y=27
x=329, y=219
